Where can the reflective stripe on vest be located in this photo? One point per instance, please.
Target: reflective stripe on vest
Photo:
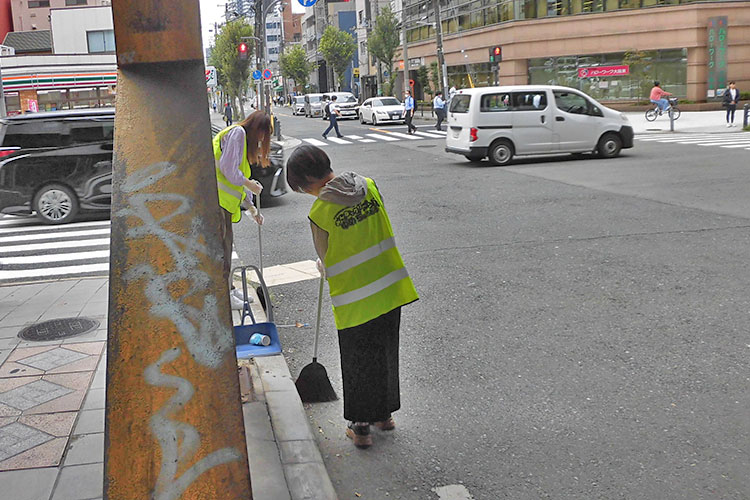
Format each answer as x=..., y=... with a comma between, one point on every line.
x=361, y=257
x=371, y=289
x=237, y=194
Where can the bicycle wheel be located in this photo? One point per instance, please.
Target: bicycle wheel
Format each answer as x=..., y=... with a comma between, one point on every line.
x=651, y=114
x=676, y=113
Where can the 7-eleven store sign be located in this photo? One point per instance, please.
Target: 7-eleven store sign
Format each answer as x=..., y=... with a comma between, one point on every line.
x=59, y=81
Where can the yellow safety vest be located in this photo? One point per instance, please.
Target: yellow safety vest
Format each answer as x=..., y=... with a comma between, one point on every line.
x=365, y=272
x=230, y=195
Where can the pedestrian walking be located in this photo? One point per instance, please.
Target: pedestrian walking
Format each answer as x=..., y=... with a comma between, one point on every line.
x=228, y=114
x=409, y=107
x=332, y=113
x=731, y=98
x=236, y=148
x=367, y=281
x=438, y=105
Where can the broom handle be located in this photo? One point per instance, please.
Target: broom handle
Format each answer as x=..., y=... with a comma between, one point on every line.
x=260, y=240
x=317, y=320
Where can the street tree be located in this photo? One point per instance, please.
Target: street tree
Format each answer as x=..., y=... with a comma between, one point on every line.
x=383, y=42
x=233, y=72
x=435, y=77
x=337, y=47
x=423, y=78
x=294, y=65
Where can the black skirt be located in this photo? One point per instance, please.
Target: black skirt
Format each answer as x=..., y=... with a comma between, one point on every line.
x=369, y=368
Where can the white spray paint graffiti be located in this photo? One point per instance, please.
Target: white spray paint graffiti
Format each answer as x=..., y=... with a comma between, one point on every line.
x=205, y=336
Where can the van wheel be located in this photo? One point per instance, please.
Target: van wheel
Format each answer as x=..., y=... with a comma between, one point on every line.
x=55, y=204
x=500, y=153
x=609, y=145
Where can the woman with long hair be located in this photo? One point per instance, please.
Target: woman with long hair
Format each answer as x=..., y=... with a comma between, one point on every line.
x=236, y=149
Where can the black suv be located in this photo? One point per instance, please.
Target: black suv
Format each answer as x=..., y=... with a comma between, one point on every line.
x=59, y=163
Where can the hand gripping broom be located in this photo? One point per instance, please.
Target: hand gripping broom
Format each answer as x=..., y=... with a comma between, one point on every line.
x=312, y=384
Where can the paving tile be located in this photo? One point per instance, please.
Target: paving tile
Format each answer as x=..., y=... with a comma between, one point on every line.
x=85, y=449
x=68, y=390
x=34, y=394
x=17, y=438
x=32, y=484
x=95, y=399
x=48, y=454
x=53, y=359
x=79, y=482
x=9, y=332
x=287, y=416
x=100, y=379
x=89, y=422
x=257, y=422
x=299, y=452
x=268, y=481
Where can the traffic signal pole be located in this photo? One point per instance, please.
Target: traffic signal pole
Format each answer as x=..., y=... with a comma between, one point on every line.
x=439, y=43
x=173, y=418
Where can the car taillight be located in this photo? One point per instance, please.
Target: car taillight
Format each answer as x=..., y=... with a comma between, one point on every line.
x=472, y=134
x=7, y=152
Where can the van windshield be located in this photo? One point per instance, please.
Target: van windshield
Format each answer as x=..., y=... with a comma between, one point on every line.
x=314, y=98
x=460, y=103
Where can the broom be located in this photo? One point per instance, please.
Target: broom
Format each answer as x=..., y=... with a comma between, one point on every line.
x=312, y=384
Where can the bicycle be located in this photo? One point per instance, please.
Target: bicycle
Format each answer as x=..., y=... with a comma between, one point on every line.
x=653, y=113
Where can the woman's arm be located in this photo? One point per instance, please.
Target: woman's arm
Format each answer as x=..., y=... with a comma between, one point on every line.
x=232, y=146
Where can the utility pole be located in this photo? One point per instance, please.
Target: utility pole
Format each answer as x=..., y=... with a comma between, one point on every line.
x=173, y=418
x=404, y=52
x=439, y=43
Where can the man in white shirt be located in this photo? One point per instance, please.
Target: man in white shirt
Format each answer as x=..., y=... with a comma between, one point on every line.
x=333, y=113
x=439, y=105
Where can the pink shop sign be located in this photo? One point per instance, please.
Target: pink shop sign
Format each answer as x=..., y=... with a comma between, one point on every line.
x=600, y=71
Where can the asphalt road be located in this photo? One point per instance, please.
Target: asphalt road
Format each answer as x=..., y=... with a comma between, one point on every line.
x=582, y=330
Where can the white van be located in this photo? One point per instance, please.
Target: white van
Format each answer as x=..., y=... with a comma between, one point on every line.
x=501, y=122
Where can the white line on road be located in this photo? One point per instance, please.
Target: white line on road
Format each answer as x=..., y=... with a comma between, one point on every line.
x=57, y=271
x=722, y=143
x=738, y=145
x=352, y=137
x=367, y=140
x=428, y=134
x=62, y=257
x=57, y=234
x=55, y=245
x=382, y=137
x=338, y=141
x=404, y=136
x=315, y=142
x=453, y=492
x=74, y=225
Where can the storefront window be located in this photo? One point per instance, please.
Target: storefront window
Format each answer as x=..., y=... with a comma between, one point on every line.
x=667, y=66
x=468, y=75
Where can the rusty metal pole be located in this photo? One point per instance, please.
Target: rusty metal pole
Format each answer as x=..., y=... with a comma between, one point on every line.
x=174, y=427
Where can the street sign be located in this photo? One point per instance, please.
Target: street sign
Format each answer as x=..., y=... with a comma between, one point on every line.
x=256, y=74
x=307, y=3
x=267, y=74
x=411, y=83
x=356, y=72
x=386, y=73
x=211, y=80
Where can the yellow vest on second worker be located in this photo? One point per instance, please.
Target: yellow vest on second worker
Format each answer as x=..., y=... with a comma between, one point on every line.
x=230, y=195
x=365, y=272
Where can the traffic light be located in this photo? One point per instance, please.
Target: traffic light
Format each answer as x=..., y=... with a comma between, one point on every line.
x=242, y=51
x=496, y=54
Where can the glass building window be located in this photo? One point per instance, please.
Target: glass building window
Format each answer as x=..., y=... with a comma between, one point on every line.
x=34, y=4
x=76, y=2
x=101, y=41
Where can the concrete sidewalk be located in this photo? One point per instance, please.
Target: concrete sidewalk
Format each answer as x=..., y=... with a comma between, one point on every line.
x=52, y=397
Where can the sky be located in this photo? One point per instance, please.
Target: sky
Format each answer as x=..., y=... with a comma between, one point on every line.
x=212, y=11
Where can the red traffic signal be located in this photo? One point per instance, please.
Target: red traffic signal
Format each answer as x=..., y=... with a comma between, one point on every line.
x=496, y=54
x=242, y=50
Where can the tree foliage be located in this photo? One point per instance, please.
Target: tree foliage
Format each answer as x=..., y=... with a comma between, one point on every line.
x=337, y=47
x=639, y=70
x=423, y=78
x=294, y=65
x=437, y=84
x=383, y=41
x=232, y=71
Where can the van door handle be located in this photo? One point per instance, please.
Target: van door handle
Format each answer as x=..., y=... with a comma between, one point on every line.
x=560, y=118
x=543, y=117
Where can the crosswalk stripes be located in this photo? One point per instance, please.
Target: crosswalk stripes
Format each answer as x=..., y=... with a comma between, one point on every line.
x=380, y=135
x=30, y=251
x=731, y=140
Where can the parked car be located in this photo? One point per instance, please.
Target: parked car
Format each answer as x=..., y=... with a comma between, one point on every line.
x=59, y=164
x=346, y=102
x=381, y=110
x=502, y=122
x=313, y=105
x=298, y=105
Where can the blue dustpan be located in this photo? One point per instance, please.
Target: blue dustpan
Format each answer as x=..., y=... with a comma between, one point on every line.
x=243, y=332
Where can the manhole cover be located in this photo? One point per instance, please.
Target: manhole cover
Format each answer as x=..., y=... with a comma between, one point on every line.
x=58, y=329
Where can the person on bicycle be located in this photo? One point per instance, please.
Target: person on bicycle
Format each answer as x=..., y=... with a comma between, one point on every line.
x=658, y=97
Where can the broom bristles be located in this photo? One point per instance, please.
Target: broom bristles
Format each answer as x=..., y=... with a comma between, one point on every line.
x=313, y=385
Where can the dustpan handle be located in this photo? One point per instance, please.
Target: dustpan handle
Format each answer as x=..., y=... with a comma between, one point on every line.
x=317, y=320
x=264, y=288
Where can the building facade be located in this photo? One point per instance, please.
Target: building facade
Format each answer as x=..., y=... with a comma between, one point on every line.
x=29, y=15
x=612, y=49
x=82, y=30
x=370, y=72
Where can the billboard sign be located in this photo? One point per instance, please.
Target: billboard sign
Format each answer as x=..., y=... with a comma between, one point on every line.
x=211, y=79
x=603, y=71
x=717, y=56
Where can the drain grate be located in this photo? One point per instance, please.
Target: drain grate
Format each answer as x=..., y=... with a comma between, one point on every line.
x=56, y=329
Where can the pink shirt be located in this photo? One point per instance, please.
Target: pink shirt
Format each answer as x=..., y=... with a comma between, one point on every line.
x=657, y=93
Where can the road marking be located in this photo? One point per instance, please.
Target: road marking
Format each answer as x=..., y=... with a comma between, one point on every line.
x=367, y=140
x=57, y=244
x=59, y=257
x=453, y=492
x=353, y=137
x=315, y=142
x=57, y=234
x=338, y=141
x=59, y=271
x=382, y=137
x=441, y=132
x=8, y=228
x=722, y=143
x=404, y=136
x=738, y=145
x=429, y=134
